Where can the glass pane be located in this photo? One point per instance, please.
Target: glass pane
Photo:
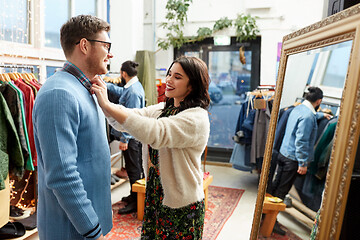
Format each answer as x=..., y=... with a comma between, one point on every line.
x=86, y=7
x=55, y=16
x=14, y=24
x=192, y=54
x=230, y=80
x=335, y=73
x=50, y=70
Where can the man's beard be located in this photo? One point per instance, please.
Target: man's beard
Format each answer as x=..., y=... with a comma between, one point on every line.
x=95, y=66
x=317, y=108
x=123, y=81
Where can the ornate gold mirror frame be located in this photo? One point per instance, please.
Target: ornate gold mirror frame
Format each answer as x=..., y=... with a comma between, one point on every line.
x=337, y=28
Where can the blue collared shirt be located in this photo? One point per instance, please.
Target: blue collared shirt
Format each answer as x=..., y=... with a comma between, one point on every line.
x=300, y=134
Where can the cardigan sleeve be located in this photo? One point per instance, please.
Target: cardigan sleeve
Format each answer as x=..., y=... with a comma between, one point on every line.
x=188, y=128
x=152, y=111
x=57, y=126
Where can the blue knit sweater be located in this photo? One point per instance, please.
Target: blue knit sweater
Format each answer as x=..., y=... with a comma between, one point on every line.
x=74, y=198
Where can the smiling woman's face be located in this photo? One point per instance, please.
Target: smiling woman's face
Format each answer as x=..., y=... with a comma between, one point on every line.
x=177, y=84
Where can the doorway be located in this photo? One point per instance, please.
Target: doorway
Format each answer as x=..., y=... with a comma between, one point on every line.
x=230, y=80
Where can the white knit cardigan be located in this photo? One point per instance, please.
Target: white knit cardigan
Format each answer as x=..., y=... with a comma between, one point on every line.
x=181, y=140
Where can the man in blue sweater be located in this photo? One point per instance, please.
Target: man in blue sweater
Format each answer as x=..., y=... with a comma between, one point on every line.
x=131, y=96
x=74, y=198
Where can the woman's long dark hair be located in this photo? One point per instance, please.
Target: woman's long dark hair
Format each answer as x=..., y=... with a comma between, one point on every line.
x=197, y=72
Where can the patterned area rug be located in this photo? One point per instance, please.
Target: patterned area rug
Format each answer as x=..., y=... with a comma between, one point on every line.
x=274, y=236
x=221, y=204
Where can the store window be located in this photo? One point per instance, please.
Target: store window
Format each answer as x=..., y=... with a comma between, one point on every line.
x=50, y=70
x=57, y=14
x=14, y=21
x=230, y=80
x=85, y=7
x=335, y=73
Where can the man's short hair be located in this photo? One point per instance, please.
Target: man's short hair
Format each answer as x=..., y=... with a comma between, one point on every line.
x=81, y=26
x=314, y=94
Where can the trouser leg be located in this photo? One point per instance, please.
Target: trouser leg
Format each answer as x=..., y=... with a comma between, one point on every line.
x=133, y=163
x=286, y=175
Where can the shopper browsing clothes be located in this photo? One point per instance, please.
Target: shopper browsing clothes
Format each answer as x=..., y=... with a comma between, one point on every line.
x=74, y=198
x=297, y=148
x=130, y=96
x=175, y=133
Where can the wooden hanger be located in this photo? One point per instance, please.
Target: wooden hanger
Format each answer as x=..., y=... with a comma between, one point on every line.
x=6, y=77
x=2, y=78
x=26, y=76
x=29, y=76
x=18, y=75
x=12, y=76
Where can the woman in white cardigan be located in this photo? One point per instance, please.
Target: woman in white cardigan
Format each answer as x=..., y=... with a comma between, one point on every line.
x=174, y=135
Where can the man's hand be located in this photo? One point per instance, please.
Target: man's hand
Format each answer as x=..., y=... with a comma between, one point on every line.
x=99, y=88
x=302, y=170
x=328, y=116
x=123, y=146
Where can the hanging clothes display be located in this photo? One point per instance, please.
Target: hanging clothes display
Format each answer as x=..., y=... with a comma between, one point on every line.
x=11, y=158
x=17, y=149
x=251, y=130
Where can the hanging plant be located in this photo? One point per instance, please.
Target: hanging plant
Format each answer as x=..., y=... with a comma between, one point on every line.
x=245, y=26
x=202, y=33
x=221, y=24
x=176, y=16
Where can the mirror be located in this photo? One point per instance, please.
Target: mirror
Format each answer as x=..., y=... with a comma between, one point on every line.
x=326, y=55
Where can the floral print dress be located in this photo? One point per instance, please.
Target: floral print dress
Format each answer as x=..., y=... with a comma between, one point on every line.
x=162, y=222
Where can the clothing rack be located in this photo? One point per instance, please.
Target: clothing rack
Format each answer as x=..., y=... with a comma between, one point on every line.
x=17, y=66
x=31, y=68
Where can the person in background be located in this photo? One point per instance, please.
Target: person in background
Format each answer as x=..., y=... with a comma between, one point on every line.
x=297, y=148
x=74, y=198
x=132, y=95
x=175, y=134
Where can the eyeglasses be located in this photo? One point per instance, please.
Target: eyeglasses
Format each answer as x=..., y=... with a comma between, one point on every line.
x=91, y=40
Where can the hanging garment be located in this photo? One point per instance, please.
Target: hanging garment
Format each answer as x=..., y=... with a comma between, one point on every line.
x=11, y=158
x=13, y=102
x=29, y=163
x=321, y=159
x=242, y=131
x=29, y=99
x=240, y=157
x=259, y=135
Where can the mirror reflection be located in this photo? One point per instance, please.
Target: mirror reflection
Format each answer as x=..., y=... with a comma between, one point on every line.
x=307, y=120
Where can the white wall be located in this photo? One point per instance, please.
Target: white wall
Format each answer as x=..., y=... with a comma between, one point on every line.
x=127, y=30
x=276, y=19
